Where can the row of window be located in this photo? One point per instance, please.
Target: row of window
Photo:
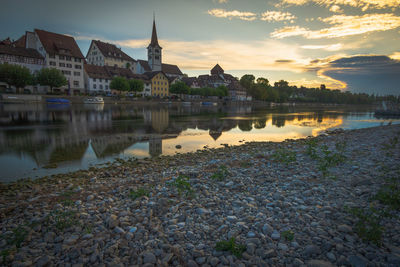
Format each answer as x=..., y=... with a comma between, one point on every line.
x=100, y=87
x=21, y=59
x=67, y=58
x=100, y=80
x=68, y=72
x=160, y=94
x=160, y=88
x=160, y=83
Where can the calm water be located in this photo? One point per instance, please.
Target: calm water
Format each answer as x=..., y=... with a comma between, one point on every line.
x=80, y=136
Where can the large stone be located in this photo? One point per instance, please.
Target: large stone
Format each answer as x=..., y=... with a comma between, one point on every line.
x=112, y=221
x=149, y=257
x=267, y=229
x=344, y=228
x=357, y=261
x=319, y=263
x=275, y=235
x=311, y=250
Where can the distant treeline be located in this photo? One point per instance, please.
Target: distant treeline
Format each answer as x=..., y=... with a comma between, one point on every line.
x=260, y=89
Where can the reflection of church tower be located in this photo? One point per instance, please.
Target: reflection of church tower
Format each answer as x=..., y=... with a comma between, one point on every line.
x=155, y=145
x=215, y=134
x=154, y=50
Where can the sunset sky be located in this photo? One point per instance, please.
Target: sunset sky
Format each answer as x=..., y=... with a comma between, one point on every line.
x=345, y=44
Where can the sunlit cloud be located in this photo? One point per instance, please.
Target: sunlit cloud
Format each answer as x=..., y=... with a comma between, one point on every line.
x=222, y=13
x=395, y=55
x=343, y=26
x=331, y=47
x=362, y=4
x=277, y=16
x=336, y=9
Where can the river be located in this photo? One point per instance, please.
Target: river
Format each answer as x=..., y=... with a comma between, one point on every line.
x=38, y=140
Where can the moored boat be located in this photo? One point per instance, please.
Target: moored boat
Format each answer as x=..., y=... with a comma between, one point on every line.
x=58, y=101
x=94, y=100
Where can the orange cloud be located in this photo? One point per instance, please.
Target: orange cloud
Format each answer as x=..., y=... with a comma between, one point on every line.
x=362, y=4
x=222, y=13
x=343, y=26
x=276, y=16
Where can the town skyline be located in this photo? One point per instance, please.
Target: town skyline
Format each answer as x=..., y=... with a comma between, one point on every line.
x=347, y=46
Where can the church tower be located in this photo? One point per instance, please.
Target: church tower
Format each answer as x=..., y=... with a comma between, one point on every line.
x=154, y=50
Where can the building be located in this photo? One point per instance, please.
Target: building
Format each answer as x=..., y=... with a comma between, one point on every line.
x=159, y=83
x=106, y=54
x=60, y=52
x=154, y=59
x=98, y=79
x=25, y=57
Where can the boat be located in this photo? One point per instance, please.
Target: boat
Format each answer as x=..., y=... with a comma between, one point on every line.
x=58, y=101
x=186, y=103
x=94, y=100
x=209, y=103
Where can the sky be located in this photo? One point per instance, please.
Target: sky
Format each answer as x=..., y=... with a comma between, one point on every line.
x=345, y=44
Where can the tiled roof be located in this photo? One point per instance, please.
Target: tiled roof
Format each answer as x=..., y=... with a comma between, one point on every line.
x=94, y=71
x=166, y=68
x=55, y=43
x=20, y=42
x=19, y=51
x=171, y=69
x=151, y=74
x=144, y=64
x=116, y=71
x=189, y=80
x=110, y=50
x=217, y=70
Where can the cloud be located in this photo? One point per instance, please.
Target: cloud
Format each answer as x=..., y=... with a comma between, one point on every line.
x=395, y=55
x=222, y=1
x=222, y=13
x=336, y=9
x=366, y=73
x=277, y=16
x=361, y=4
x=343, y=26
x=331, y=47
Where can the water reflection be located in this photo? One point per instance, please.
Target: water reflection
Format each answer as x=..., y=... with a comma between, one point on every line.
x=34, y=136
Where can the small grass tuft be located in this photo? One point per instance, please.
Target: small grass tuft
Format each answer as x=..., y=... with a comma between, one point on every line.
x=231, y=246
x=284, y=156
x=221, y=173
x=140, y=192
x=288, y=235
x=183, y=186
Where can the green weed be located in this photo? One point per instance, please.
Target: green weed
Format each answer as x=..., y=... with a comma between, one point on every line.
x=221, y=173
x=284, y=156
x=329, y=158
x=311, y=148
x=140, y=192
x=182, y=185
x=231, y=246
x=288, y=235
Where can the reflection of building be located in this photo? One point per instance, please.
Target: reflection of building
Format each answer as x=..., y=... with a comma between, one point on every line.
x=155, y=145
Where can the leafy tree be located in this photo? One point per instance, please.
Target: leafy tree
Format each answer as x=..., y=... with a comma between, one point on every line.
x=247, y=81
x=221, y=90
x=136, y=85
x=179, y=88
x=51, y=77
x=120, y=84
x=263, y=81
x=15, y=75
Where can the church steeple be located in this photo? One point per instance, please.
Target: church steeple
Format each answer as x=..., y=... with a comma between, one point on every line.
x=154, y=50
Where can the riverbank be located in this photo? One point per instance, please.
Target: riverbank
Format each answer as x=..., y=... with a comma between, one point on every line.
x=291, y=203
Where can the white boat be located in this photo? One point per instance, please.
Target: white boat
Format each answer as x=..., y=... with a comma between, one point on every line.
x=94, y=100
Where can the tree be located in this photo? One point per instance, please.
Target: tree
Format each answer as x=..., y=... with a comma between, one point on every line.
x=221, y=90
x=179, y=88
x=120, y=84
x=15, y=75
x=263, y=81
x=51, y=77
x=136, y=85
x=247, y=81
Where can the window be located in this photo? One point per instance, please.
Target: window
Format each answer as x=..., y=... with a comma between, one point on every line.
x=94, y=79
x=52, y=63
x=77, y=73
x=61, y=64
x=69, y=65
x=61, y=57
x=100, y=80
x=68, y=58
x=66, y=72
x=94, y=86
x=101, y=86
x=78, y=67
x=76, y=83
x=106, y=87
x=77, y=60
x=157, y=51
x=157, y=57
x=106, y=80
x=52, y=56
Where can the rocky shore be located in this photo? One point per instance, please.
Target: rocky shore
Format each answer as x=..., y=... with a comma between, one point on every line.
x=332, y=200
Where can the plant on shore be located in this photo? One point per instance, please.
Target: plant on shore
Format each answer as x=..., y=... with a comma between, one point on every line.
x=140, y=192
x=330, y=158
x=368, y=226
x=221, y=173
x=284, y=156
x=182, y=185
x=288, y=235
x=231, y=246
x=311, y=148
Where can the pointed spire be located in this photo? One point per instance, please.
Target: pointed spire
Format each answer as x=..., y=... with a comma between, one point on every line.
x=154, y=39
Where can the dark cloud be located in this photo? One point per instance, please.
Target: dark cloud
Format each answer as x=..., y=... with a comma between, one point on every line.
x=284, y=61
x=369, y=74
